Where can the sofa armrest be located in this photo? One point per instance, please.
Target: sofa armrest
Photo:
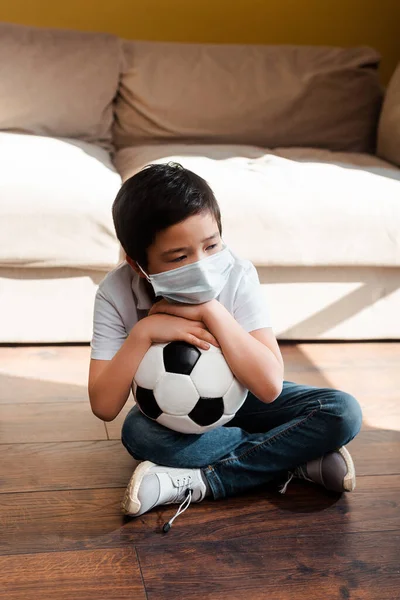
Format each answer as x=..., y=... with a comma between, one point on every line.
x=389, y=122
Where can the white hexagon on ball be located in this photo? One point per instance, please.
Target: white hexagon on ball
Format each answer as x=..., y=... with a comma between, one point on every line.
x=151, y=367
x=176, y=394
x=183, y=424
x=211, y=375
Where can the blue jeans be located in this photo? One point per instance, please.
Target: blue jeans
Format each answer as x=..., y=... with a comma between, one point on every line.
x=262, y=442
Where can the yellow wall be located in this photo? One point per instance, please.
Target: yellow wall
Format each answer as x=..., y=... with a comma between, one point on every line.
x=337, y=22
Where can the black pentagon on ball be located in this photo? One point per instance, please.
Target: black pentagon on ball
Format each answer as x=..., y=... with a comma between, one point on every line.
x=147, y=403
x=207, y=411
x=180, y=357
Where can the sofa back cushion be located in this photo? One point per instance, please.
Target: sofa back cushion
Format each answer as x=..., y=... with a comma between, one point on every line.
x=267, y=96
x=389, y=124
x=58, y=82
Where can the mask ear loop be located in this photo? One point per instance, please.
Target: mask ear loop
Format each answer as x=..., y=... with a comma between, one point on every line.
x=144, y=273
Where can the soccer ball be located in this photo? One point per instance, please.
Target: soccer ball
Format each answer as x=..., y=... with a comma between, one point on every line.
x=187, y=389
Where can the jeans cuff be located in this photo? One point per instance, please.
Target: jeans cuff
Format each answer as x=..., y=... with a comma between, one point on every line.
x=215, y=482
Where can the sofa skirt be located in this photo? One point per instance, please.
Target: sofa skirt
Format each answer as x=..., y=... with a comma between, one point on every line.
x=305, y=303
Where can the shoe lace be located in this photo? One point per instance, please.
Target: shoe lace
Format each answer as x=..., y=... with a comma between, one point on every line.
x=299, y=472
x=284, y=487
x=186, y=480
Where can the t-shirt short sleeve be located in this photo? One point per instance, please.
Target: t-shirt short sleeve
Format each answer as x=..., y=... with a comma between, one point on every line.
x=250, y=308
x=109, y=332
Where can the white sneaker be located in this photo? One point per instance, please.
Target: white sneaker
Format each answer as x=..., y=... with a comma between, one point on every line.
x=152, y=484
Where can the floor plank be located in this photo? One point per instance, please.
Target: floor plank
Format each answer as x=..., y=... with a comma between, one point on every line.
x=88, y=575
x=64, y=466
x=328, y=567
x=24, y=390
x=49, y=422
x=44, y=374
x=68, y=364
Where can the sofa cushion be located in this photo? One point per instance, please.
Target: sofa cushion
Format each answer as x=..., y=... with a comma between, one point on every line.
x=293, y=207
x=389, y=123
x=58, y=82
x=268, y=96
x=56, y=198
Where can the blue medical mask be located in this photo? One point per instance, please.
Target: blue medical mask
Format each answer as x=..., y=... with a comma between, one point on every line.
x=196, y=283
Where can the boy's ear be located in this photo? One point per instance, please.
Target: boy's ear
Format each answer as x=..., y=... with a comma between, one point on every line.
x=134, y=266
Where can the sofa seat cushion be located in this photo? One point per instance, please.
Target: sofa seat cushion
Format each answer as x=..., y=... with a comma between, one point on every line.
x=56, y=197
x=294, y=206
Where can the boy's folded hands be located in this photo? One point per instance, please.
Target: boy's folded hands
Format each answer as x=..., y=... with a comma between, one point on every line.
x=162, y=328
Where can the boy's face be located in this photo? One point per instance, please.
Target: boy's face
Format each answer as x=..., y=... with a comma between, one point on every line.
x=187, y=242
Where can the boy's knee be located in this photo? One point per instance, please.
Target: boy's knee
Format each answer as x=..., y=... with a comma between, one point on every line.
x=349, y=414
x=133, y=433
x=146, y=439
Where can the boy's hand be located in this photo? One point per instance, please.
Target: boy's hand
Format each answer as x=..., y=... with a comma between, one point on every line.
x=194, y=312
x=162, y=328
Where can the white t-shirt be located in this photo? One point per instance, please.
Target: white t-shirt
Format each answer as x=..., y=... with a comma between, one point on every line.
x=122, y=300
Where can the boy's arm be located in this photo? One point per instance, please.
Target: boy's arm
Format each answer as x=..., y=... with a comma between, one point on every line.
x=110, y=380
x=254, y=357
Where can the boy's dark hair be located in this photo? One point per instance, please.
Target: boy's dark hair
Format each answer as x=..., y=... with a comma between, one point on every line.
x=156, y=198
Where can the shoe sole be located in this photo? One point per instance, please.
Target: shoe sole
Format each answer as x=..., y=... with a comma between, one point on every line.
x=131, y=504
x=349, y=481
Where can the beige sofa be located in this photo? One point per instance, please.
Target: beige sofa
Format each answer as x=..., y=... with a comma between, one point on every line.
x=297, y=143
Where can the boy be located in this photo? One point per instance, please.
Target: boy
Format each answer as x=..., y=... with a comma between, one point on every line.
x=180, y=282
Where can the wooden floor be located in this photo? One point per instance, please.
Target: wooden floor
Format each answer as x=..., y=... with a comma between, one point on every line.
x=63, y=473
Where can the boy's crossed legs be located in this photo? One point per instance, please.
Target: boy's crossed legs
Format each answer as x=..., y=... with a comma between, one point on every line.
x=262, y=442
